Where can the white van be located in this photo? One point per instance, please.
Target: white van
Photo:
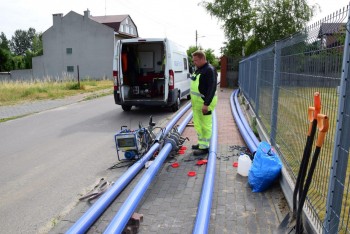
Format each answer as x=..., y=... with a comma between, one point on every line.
x=150, y=72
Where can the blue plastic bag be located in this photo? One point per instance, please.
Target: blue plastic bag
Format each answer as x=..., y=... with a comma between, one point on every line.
x=265, y=169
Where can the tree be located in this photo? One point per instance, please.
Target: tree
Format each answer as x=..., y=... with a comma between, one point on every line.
x=5, y=54
x=37, y=44
x=25, y=45
x=27, y=59
x=22, y=41
x=4, y=43
x=237, y=16
x=5, y=60
x=36, y=50
x=280, y=18
x=250, y=25
x=209, y=54
x=233, y=47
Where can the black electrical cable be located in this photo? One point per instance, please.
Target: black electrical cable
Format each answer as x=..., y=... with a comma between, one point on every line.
x=123, y=163
x=303, y=166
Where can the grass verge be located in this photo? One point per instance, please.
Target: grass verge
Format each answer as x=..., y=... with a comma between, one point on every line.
x=11, y=118
x=17, y=92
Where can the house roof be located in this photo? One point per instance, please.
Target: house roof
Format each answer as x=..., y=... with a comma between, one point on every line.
x=331, y=28
x=112, y=21
x=109, y=18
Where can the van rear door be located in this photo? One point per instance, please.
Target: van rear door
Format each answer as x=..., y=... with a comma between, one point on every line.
x=116, y=71
x=182, y=81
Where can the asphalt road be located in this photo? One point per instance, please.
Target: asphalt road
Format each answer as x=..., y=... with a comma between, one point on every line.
x=47, y=160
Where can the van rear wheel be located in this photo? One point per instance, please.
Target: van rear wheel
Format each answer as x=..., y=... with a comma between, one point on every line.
x=176, y=105
x=126, y=108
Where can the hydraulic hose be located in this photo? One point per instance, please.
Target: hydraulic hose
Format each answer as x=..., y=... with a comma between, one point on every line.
x=120, y=220
x=248, y=140
x=203, y=214
x=244, y=121
x=95, y=211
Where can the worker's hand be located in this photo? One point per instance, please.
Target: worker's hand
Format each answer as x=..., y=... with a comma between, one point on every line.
x=204, y=109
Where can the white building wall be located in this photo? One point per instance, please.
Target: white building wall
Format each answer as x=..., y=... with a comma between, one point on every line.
x=92, y=46
x=38, y=67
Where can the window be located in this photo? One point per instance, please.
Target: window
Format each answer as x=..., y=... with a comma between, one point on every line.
x=70, y=68
x=127, y=29
x=126, y=21
x=69, y=50
x=185, y=63
x=132, y=31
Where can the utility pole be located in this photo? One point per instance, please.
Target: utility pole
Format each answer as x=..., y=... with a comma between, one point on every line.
x=197, y=39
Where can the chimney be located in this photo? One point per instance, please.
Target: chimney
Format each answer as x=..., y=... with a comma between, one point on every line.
x=57, y=19
x=87, y=13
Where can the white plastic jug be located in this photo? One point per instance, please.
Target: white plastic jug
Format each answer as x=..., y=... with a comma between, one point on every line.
x=244, y=164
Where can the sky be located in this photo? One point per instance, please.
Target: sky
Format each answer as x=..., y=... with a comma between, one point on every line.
x=176, y=19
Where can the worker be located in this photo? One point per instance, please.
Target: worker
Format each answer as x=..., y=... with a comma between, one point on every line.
x=204, y=99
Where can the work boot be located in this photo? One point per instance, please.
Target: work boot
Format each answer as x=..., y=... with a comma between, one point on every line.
x=195, y=146
x=198, y=152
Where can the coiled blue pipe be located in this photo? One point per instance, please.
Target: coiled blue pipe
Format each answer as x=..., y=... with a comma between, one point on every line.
x=95, y=211
x=248, y=140
x=244, y=121
x=120, y=220
x=203, y=214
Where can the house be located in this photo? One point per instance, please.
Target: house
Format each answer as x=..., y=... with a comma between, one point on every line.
x=332, y=34
x=83, y=41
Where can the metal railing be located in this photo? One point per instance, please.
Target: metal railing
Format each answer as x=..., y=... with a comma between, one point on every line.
x=279, y=82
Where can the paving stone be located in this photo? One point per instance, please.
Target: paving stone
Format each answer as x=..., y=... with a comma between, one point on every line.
x=171, y=202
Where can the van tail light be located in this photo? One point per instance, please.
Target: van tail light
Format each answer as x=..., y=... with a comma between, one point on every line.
x=171, y=79
x=115, y=76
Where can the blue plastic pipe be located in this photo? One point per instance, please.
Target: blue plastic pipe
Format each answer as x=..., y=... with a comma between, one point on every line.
x=203, y=213
x=246, y=127
x=248, y=140
x=172, y=122
x=120, y=220
x=244, y=121
x=95, y=211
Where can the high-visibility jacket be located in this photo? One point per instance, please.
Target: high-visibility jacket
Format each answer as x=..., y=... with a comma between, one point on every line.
x=202, y=123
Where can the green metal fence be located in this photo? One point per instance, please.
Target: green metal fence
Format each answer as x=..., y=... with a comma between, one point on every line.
x=279, y=82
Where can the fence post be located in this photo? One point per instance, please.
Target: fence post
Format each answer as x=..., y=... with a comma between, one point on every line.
x=250, y=87
x=223, y=72
x=240, y=73
x=257, y=83
x=275, y=91
x=341, y=146
x=78, y=76
x=242, y=77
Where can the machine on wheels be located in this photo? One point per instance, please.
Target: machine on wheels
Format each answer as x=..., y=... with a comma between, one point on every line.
x=134, y=143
